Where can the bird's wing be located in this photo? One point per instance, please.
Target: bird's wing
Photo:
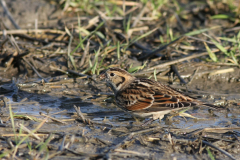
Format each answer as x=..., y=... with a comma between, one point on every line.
x=149, y=96
x=132, y=99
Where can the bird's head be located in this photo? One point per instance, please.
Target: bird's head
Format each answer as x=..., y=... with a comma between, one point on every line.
x=116, y=78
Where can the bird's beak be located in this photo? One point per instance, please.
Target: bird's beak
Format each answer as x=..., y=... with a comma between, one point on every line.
x=102, y=76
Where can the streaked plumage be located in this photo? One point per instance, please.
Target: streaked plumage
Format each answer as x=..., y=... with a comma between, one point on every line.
x=145, y=97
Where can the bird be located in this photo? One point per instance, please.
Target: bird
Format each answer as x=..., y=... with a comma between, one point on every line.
x=145, y=97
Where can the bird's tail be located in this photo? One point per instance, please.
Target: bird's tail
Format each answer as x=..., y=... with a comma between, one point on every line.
x=214, y=106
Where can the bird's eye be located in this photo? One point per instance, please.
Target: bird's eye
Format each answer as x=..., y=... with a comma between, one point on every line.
x=112, y=74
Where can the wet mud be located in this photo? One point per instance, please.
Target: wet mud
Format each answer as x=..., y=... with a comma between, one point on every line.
x=51, y=109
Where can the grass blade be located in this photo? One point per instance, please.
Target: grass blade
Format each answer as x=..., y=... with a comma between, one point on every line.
x=12, y=121
x=201, y=31
x=210, y=154
x=211, y=54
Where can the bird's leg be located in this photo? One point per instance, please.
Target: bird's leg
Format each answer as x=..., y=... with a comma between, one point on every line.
x=210, y=111
x=174, y=114
x=147, y=122
x=136, y=119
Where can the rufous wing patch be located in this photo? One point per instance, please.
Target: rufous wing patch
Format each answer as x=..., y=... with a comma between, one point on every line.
x=139, y=105
x=164, y=99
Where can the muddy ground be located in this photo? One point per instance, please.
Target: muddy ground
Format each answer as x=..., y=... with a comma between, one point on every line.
x=45, y=73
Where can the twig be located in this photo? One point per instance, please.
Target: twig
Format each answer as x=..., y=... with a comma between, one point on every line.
x=218, y=130
x=193, y=75
x=29, y=132
x=127, y=3
x=174, y=68
x=55, y=154
x=70, y=58
x=5, y=100
x=28, y=31
x=22, y=135
x=161, y=48
x=132, y=152
x=143, y=131
x=78, y=74
x=232, y=29
x=183, y=59
x=219, y=149
x=13, y=42
x=34, y=69
x=224, y=64
x=79, y=113
x=198, y=39
x=221, y=71
x=121, y=37
x=212, y=72
x=54, y=119
x=92, y=155
x=135, y=22
x=84, y=54
x=3, y=3
x=180, y=23
x=9, y=142
x=72, y=139
x=58, y=69
x=59, y=112
x=130, y=136
x=5, y=40
x=61, y=148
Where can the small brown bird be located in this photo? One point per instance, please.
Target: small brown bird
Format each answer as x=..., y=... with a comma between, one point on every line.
x=145, y=97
